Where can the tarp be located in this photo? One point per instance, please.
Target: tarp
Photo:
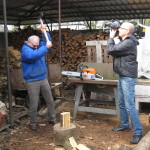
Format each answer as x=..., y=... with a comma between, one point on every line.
x=143, y=56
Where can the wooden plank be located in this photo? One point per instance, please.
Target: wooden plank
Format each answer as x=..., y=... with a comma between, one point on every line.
x=143, y=81
x=56, y=85
x=17, y=81
x=73, y=142
x=82, y=147
x=104, y=82
x=97, y=110
x=100, y=54
x=54, y=73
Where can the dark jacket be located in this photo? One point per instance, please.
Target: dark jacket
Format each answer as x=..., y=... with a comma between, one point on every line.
x=33, y=61
x=125, y=55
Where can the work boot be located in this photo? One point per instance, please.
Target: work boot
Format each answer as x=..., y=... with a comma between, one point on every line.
x=136, y=139
x=120, y=129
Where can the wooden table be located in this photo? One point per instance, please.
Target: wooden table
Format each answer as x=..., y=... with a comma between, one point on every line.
x=143, y=82
x=106, y=87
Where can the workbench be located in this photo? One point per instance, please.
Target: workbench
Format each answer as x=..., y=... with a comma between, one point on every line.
x=106, y=87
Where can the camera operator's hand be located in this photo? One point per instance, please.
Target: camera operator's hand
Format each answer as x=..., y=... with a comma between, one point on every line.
x=112, y=33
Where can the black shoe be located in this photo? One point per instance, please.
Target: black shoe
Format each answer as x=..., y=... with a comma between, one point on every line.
x=33, y=126
x=120, y=129
x=136, y=139
x=52, y=122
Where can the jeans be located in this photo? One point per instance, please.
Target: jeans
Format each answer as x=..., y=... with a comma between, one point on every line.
x=34, y=89
x=126, y=102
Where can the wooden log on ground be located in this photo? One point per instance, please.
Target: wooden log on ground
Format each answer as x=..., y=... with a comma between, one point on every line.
x=82, y=147
x=125, y=148
x=144, y=143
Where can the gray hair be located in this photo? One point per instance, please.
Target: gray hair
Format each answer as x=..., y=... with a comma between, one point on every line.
x=31, y=38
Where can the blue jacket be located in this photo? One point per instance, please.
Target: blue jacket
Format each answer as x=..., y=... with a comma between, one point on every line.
x=33, y=61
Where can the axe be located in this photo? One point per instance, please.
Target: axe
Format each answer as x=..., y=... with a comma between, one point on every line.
x=41, y=21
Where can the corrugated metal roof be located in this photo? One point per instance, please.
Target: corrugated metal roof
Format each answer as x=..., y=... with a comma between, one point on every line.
x=27, y=11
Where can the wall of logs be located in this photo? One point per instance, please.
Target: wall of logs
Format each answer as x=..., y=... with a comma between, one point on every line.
x=73, y=50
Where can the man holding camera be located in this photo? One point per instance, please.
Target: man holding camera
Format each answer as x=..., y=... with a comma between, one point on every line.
x=125, y=65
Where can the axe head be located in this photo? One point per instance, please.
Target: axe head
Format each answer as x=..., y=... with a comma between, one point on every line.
x=40, y=18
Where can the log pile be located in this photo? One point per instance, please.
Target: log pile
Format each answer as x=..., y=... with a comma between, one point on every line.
x=73, y=49
x=14, y=57
x=17, y=38
x=73, y=45
x=14, y=61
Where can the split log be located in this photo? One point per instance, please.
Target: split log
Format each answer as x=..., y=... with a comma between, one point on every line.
x=73, y=143
x=65, y=119
x=82, y=147
x=144, y=143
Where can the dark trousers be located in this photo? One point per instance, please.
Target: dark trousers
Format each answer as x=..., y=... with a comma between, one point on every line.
x=34, y=88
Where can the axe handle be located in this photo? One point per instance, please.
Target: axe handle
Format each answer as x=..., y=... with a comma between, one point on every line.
x=45, y=34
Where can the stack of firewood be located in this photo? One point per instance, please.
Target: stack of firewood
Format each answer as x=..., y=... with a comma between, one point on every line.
x=73, y=45
x=14, y=57
x=14, y=62
x=73, y=48
x=17, y=38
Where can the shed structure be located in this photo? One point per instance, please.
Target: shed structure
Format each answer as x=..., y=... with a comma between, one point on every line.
x=25, y=12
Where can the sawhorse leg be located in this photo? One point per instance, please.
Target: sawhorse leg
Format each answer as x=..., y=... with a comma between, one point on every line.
x=78, y=93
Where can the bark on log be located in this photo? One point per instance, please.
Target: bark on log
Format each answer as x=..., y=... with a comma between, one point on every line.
x=144, y=144
x=63, y=134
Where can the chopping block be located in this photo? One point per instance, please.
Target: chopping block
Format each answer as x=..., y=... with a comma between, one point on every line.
x=64, y=130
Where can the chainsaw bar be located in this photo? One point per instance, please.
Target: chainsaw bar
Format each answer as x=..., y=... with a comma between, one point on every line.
x=78, y=74
x=71, y=73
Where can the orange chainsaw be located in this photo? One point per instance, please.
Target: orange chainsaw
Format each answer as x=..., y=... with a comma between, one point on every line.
x=84, y=74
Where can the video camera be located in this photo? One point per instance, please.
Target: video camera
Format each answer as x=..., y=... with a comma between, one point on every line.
x=115, y=24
